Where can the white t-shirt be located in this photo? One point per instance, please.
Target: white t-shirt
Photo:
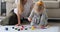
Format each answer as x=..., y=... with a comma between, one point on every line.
x=26, y=8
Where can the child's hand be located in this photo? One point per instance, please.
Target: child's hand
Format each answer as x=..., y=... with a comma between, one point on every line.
x=29, y=19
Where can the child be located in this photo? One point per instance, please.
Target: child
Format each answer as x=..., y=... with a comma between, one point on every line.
x=38, y=15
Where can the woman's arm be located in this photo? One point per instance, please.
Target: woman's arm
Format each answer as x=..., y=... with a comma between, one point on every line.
x=18, y=13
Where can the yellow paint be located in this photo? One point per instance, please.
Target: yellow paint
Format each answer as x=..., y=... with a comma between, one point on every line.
x=32, y=27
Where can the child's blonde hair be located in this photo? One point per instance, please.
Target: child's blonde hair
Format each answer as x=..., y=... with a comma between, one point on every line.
x=39, y=5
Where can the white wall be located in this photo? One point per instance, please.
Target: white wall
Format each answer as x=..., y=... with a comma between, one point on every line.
x=9, y=5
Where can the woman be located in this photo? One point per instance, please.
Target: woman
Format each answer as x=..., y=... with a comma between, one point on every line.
x=23, y=8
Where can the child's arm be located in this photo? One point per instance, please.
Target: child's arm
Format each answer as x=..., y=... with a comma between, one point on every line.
x=44, y=13
x=42, y=17
x=46, y=16
x=31, y=16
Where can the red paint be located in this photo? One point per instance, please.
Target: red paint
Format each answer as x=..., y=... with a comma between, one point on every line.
x=21, y=28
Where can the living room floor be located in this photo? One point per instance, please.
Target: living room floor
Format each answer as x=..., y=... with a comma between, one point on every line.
x=52, y=23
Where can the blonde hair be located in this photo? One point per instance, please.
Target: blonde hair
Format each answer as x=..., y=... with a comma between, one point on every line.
x=20, y=6
x=39, y=5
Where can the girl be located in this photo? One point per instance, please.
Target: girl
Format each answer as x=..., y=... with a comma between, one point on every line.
x=38, y=15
